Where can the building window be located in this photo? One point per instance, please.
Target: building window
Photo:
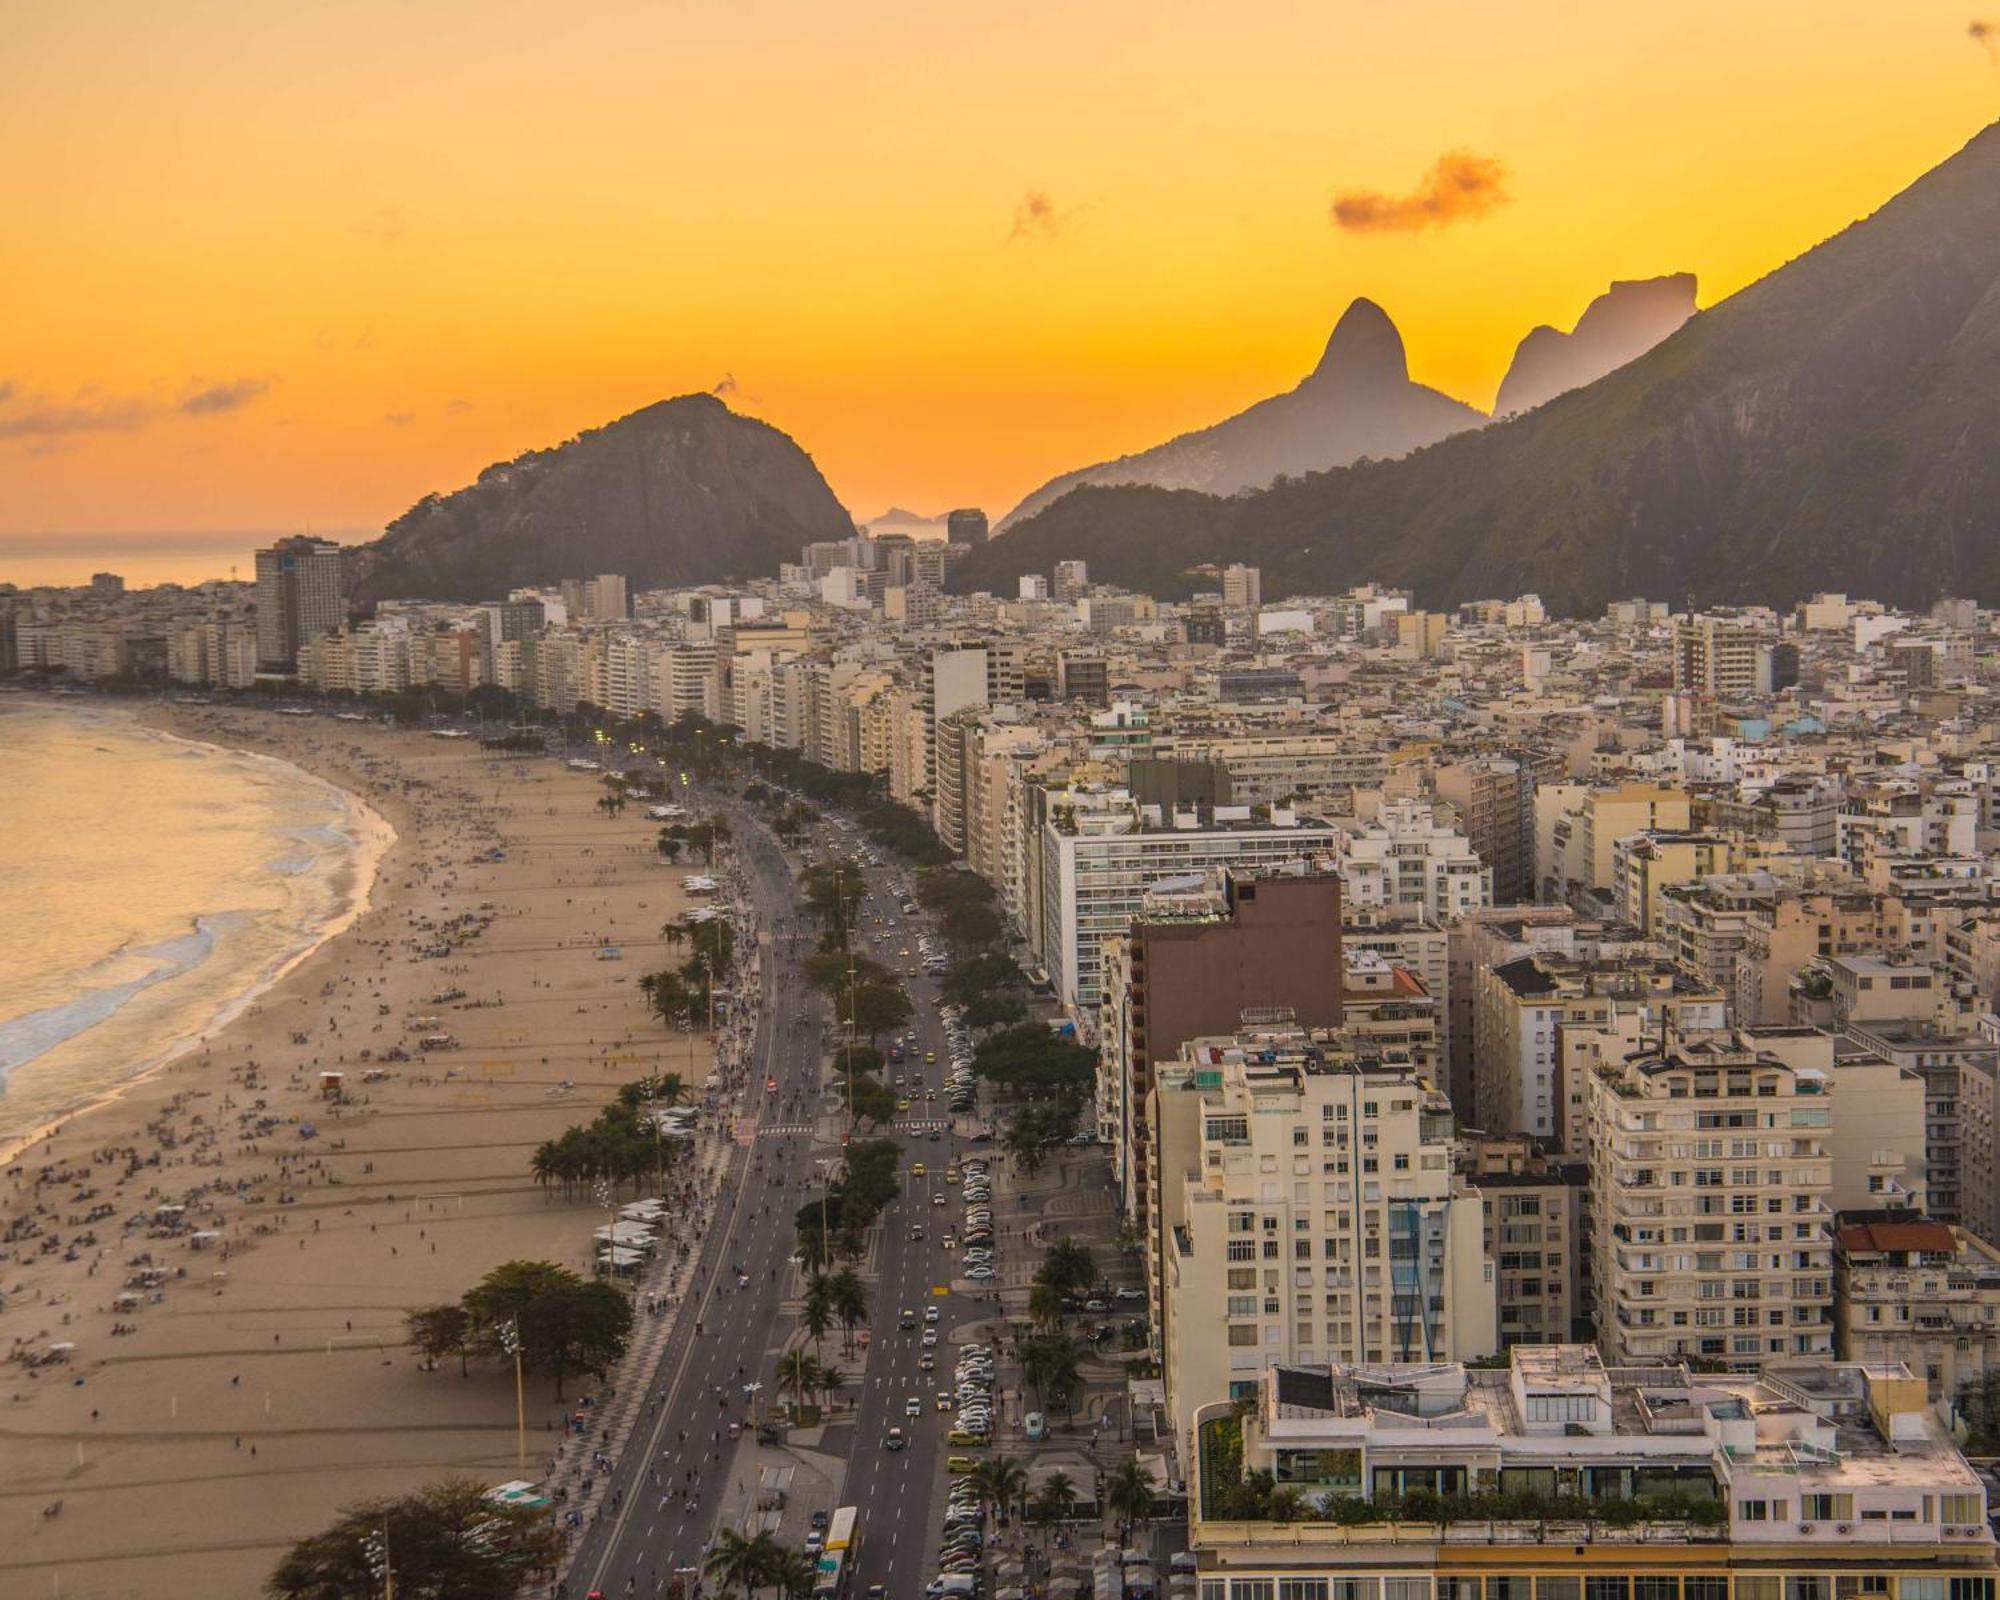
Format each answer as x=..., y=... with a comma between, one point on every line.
x=1645, y=1588
x=1607, y=1587
x=1302, y=1589
x=1746, y=1511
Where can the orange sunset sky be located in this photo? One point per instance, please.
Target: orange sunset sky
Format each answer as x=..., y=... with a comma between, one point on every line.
x=270, y=265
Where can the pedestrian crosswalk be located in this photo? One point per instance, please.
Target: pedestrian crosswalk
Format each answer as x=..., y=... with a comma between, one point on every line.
x=780, y=1129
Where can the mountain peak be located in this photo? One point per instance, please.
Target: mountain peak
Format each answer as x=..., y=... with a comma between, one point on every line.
x=1363, y=349
x=1620, y=325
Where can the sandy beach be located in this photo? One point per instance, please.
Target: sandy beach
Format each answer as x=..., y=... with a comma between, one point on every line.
x=264, y=1381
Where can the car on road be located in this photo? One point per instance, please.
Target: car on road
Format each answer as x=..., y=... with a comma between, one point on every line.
x=770, y=1085
x=963, y=1436
x=981, y=1274
x=907, y=1320
x=930, y=1337
x=930, y=1313
x=927, y=1362
x=902, y=1105
x=943, y=1401
x=937, y=1199
x=917, y=1168
x=1034, y=1425
x=1097, y=1305
x=896, y=1440
x=913, y=1407
x=958, y=1466
x=1129, y=1293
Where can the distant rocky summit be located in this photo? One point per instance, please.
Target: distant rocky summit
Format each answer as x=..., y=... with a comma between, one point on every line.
x=1618, y=326
x=1834, y=426
x=1358, y=402
x=685, y=491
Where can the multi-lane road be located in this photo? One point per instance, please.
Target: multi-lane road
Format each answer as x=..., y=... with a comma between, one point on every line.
x=680, y=1469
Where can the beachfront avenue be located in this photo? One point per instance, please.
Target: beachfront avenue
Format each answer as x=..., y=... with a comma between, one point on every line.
x=681, y=1475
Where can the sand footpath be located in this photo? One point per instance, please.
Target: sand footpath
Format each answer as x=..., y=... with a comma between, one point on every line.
x=264, y=1381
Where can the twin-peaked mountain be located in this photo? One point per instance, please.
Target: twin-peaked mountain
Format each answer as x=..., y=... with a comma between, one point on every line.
x=1835, y=425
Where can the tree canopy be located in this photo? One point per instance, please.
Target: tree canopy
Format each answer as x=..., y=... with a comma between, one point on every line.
x=447, y=1541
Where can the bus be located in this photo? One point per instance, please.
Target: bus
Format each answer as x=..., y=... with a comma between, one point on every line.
x=836, y=1556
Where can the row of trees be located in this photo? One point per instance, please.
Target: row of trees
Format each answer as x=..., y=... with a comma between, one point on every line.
x=837, y=1225
x=1047, y=1079
x=560, y=1323
x=966, y=906
x=678, y=996
x=623, y=1145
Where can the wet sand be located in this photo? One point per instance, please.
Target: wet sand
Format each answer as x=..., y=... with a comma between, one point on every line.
x=265, y=1381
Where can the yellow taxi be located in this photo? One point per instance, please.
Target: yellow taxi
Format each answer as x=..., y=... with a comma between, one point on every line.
x=917, y=1170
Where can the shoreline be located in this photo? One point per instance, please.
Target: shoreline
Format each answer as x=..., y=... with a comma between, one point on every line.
x=370, y=838
x=262, y=1378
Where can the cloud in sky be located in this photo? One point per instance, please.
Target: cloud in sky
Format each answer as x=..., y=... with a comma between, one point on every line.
x=727, y=387
x=453, y=408
x=1986, y=33
x=1459, y=187
x=231, y=395
x=399, y=419
x=37, y=416
x=1036, y=216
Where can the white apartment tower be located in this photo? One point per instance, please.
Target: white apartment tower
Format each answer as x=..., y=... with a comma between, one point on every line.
x=1709, y=1184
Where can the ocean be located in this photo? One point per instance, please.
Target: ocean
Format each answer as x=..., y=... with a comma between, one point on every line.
x=150, y=887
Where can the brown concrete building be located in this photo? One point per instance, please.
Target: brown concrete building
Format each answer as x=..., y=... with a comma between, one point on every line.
x=1206, y=950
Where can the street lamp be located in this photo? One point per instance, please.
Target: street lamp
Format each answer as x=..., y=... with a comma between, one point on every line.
x=376, y=1548
x=510, y=1341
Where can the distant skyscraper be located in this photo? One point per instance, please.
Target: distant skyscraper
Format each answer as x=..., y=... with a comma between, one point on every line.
x=106, y=585
x=966, y=526
x=301, y=594
x=1072, y=580
x=1242, y=587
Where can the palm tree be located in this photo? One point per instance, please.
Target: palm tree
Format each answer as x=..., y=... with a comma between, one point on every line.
x=831, y=1380
x=797, y=1372
x=850, y=1302
x=817, y=1314
x=1045, y=1306
x=670, y=1089
x=1128, y=1491
x=1055, y=1497
x=1001, y=1481
x=543, y=1165
x=1068, y=1265
x=1049, y=1364
x=790, y=1573
x=743, y=1561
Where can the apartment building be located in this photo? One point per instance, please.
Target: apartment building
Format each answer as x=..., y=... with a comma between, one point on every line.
x=1405, y=859
x=1723, y=658
x=1710, y=1180
x=1494, y=797
x=1532, y=1204
x=1102, y=851
x=1521, y=1007
x=1204, y=949
x=1920, y=1293
x=1307, y=1207
x=1562, y=1477
x=1577, y=828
